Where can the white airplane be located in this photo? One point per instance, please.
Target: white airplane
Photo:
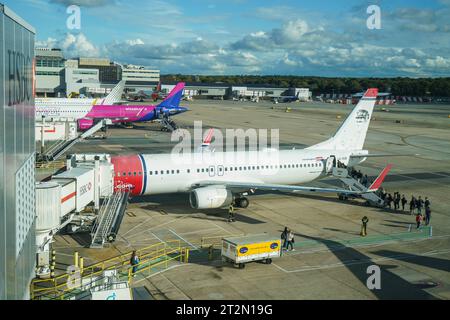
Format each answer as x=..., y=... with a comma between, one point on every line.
x=74, y=108
x=219, y=179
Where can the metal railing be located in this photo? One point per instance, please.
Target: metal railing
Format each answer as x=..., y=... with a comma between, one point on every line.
x=150, y=257
x=105, y=218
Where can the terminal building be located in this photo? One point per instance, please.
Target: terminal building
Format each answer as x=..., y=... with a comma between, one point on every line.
x=17, y=149
x=139, y=78
x=49, y=72
x=79, y=79
x=225, y=91
x=109, y=72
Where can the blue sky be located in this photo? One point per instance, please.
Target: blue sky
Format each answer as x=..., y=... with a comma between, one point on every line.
x=323, y=38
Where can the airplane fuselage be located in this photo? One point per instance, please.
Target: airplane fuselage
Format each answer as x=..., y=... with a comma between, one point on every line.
x=165, y=173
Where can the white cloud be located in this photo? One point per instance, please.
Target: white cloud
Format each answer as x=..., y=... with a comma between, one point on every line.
x=72, y=46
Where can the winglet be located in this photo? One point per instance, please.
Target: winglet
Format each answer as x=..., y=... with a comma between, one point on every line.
x=208, y=138
x=378, y=181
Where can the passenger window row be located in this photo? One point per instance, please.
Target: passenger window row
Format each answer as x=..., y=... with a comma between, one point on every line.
x=240, y=168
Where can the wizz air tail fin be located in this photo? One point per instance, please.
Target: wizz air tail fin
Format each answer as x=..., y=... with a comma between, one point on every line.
x=114, y=96
x=174, y=97
x=352, y=132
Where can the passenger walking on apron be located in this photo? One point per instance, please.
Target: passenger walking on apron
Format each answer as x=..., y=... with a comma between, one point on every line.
x=364, y=220
x=284, y=236
x=418, y=220
x=404, y=201
x=412, y=205
x=419, y=205
x=290, y=241
x=427, y=215
x=134, y=261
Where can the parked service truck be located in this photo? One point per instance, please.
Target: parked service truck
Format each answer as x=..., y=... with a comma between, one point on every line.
x=260, y=247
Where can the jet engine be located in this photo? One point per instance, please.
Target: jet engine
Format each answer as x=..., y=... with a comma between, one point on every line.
x=84, y=124
x=210, y=197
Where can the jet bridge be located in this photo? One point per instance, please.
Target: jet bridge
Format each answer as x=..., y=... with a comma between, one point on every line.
x=61, y=203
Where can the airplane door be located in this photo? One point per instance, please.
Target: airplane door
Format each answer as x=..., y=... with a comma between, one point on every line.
x=212, y=171
x=220, y=170
x=331, y=162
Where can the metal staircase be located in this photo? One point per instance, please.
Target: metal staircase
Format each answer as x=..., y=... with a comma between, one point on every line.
x=354, y=185
x=109, y=219
x=167, y=123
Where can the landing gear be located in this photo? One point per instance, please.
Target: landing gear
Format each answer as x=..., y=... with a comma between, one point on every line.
x=242, y=202
x=342, y=196
x=111, y=237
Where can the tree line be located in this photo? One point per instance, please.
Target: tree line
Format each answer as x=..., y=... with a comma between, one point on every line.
x=401, y=86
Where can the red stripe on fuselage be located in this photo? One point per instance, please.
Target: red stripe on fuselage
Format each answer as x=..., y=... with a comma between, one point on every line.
x=128, y=170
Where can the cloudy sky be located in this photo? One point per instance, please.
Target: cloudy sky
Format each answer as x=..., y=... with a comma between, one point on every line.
x=295, y=37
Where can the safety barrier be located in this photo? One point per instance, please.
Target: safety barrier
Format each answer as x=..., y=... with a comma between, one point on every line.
x=151, y=256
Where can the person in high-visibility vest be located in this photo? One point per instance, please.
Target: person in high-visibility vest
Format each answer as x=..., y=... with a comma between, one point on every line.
x=231, y=214
x=364, y=220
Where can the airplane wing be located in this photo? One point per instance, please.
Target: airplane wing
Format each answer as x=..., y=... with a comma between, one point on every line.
x=375, y=155
x=240, y=187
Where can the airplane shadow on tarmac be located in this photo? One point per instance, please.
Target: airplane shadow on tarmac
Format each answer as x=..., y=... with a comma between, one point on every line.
x=430, y=262
x=178, y=203
x=393, y=287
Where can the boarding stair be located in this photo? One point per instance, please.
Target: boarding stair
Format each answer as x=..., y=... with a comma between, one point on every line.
x=109, y=218
x=354, y=185
x=167, y=123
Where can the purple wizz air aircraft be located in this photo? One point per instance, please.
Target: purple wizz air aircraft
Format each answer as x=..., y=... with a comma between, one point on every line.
x=87, y=116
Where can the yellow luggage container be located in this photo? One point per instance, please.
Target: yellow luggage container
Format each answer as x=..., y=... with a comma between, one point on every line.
x=260, y=247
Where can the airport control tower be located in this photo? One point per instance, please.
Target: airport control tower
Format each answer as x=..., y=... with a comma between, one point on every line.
x=17, y=150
